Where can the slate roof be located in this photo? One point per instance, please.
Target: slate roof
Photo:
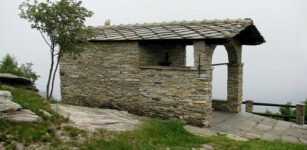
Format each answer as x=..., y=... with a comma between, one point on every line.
x=241, y=29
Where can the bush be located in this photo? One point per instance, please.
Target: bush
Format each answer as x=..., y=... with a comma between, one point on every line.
x=9, y=65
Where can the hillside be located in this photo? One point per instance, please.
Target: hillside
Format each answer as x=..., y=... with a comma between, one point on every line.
x=54, y=132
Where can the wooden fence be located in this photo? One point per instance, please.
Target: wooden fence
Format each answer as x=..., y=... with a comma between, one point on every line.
x=300, y=110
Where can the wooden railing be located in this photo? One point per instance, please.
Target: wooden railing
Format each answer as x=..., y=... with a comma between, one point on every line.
x=300, y=110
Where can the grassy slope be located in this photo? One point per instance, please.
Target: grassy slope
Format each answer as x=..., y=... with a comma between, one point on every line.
x=154, y=134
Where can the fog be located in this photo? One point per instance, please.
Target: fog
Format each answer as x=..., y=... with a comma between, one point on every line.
x=273, y=72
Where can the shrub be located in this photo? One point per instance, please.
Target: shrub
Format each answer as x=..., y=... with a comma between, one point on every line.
x=9, y=65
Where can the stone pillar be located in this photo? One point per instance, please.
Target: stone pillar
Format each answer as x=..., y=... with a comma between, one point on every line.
x=249, y=106
x=234, y=87
x=203, y=54
x=300, y=110
x=235, y=76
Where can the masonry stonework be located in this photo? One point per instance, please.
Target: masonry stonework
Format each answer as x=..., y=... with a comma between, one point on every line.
x=142, y=69
x=116, y=75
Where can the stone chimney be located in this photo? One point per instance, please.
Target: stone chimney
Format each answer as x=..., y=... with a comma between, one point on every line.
x=107, y=22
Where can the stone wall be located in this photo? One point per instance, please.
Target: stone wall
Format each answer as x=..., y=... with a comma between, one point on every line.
x=112, y=75
x=102, y=73
x=219, y=105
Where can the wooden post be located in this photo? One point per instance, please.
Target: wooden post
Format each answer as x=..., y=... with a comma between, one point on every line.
x=249, y=106
x=300, y=110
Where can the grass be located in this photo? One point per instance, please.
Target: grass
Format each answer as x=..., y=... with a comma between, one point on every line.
x=28, y=133
x=153, y=134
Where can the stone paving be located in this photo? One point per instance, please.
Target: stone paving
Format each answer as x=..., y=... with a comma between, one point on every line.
x=246, y=125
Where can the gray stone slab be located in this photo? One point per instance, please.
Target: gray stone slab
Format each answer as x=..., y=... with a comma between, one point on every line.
x=269, y=122
x=263, y=127
x=22, y=115
x=255, y=126
x=246, y=125
x=251, y=135
x=282, y=125
x=218, y=117
x=303, y=140
x=94, y=118
x=6, y=103
x=236, y=137
x=300, y=133
x=270, y=137
x=292, y=139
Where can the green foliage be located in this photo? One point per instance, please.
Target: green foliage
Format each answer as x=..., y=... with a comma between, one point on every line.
x=9, y=65
x=287, y=110
x=73, y=132
x=268, y=112
x=153, y=133
x=61, y=24
x=62, y=21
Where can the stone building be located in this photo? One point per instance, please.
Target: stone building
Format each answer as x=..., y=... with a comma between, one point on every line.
x=141, y=68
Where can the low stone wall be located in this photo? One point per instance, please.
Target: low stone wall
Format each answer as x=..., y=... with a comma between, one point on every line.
x=218, y=104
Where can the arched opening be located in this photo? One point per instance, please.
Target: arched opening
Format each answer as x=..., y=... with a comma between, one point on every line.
x=220, y=74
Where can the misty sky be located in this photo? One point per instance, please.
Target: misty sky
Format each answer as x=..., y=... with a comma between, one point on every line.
x=275, y=71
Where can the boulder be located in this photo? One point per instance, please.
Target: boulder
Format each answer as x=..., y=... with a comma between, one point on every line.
x=11, y=79
x=96, y=118
x=23, y=115
x=6, y=103
x=10, y=110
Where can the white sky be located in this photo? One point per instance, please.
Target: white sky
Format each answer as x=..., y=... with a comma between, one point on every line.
x=275, y=71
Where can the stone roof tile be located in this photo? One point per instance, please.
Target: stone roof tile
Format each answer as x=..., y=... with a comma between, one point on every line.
x=243, y=29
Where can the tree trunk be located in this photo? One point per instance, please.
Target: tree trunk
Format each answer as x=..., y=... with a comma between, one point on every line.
x=50, y=72
x=54, y=74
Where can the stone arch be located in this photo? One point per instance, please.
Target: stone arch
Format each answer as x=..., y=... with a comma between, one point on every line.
x=203, y=53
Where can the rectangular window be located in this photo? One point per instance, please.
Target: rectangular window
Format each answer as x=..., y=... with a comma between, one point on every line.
x=189, y=55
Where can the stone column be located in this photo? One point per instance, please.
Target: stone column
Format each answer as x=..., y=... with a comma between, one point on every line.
x=249, y=106
x=234, y=87
x=235, y=76
x=203, y=55
x=204, y=52
x=300, y=110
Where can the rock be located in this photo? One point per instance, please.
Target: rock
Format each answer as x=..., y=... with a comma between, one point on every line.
x=45, y=113
x=11, y=79
x=6, y=104
x=6, y=95
x=236, y=137
x=207, y=147
x=22, y=115
x=95, y=118
x=10, y=110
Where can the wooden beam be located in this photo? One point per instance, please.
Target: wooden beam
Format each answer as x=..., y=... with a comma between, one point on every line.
x=270, y=104
x=219, y=64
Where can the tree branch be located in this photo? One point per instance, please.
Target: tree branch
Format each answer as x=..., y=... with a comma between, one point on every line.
x=44, y=38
